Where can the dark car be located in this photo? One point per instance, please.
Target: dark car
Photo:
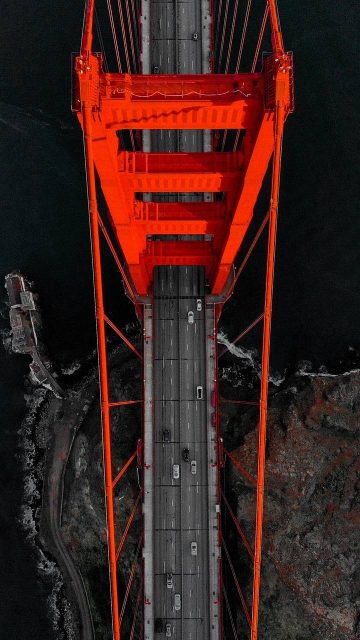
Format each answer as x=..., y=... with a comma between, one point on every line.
x=166, y=435
x=156, y=69
x=186, y=454
x=159, y=625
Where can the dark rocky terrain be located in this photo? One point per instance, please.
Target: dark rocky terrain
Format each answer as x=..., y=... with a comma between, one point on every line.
x=310, y=583
x=83, y=515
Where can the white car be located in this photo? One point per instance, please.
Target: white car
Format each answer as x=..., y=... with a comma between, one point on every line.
x=177, y=601
x=176, y=471
x=193, y=467
x=190, y=317
x=169, y=580
x=194, y=548
x=198, y=305
x=199, y=392
x=168, y=630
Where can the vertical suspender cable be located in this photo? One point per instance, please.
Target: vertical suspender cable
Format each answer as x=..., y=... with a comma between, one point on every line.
x=116, y=46
x=230, y=614
x=128, y=67
x=126, y=51
x=261, y=35
x=219, y=22
x=243, y=36
x=223, y=33
x=133, y=52
x=101, y=40
x=235, y=12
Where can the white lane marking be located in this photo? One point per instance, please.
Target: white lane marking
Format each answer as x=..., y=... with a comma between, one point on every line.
x=189, y=506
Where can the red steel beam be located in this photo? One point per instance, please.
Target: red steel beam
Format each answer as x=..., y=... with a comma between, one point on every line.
x=249, y=252
x=139, y=596
x=242, y=334
x=128, y=525
x=124, y=469
x=239, y=528
x=134, y=567
x=129, y=287
x=122, y=403
x=122, y=336
x=240, y=468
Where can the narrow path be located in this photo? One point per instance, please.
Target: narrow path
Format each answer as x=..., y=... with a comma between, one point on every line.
x=52, y=505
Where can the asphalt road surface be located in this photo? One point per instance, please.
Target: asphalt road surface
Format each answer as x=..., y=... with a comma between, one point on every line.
x=180, y=505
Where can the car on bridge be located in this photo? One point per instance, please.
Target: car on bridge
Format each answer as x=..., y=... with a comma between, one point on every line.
x=166, y=435
x=190, y=317
x=176, y=471
x=193, y=467
x=169, y=580
x=168, y=631
x=177, y=601
x=186, y=454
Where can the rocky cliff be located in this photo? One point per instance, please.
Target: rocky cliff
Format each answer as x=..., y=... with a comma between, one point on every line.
x=310, y=575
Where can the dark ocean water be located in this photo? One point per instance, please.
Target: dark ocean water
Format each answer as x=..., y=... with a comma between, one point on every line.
x=44, y=229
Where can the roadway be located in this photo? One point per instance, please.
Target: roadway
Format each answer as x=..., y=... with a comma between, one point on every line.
x=180, y=505
x=179, y=356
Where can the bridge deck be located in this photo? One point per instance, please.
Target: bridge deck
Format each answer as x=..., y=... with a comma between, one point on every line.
x=184, y=508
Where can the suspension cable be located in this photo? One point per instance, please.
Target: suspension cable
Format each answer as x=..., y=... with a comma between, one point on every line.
x=240, y=593
x=101, y=40
x=116, y=45
x=235, y=12
x=219, y=22
x=223, y=33
x=133, y=52
x=121, y=15
x=230, y=614
x=249, y=252
x=126, y=50
x=134, y=568
x=243, y=35
x=133, y=626
x=261, y=35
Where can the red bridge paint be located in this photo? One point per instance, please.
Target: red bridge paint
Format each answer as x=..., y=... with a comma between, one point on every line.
x=257, y=102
